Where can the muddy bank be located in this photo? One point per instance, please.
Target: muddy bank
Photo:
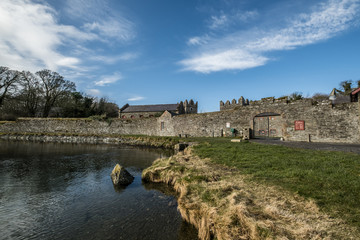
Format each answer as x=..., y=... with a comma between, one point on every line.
x=161, y=142
x=223, y=204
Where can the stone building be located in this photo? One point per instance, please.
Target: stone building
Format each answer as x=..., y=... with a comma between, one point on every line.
x=141, y=111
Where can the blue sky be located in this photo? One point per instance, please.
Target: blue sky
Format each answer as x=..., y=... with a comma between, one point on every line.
x=161, y=51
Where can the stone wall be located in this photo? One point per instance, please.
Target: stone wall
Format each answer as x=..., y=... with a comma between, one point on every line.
x=145, y=126
x=324, y=122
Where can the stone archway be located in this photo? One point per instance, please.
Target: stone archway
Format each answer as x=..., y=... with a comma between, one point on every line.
x=267, y=125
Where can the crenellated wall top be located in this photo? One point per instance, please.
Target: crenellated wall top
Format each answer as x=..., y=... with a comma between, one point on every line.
x=269, y=101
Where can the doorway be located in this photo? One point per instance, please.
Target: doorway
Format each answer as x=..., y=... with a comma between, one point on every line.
x=267, y=125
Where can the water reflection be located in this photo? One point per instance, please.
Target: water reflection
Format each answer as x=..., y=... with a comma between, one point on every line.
x=61, y=191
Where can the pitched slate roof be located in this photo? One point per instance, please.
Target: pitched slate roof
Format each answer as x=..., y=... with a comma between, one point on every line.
x=150, y=108
x=355, y=91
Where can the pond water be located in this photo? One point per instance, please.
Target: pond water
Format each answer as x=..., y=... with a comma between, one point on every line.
x=64, y=191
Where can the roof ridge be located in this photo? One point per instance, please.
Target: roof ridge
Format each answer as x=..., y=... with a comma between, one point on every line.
x=151, y=108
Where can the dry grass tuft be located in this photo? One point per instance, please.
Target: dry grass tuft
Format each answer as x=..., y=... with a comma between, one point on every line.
x=221, y=205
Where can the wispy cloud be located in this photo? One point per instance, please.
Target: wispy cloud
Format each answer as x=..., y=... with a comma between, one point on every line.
x=114, y=59
x=108, y=79
x=31, y=35
x=198, y=40
x=133, y=99
x=118, y=28
x=224, y=60
x=225, y=20
x=94, y=92
x=101, y=19
x=86, y=9
x=218, y=21
x=243, y=50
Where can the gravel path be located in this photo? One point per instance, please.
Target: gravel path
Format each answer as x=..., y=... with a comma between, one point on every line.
x=340, y=147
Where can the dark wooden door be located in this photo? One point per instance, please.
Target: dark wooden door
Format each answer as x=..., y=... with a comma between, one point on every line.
x=268, y=125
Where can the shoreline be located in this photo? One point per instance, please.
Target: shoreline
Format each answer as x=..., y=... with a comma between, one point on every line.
x=146, y=141
x=217, y=199
x=223, y=204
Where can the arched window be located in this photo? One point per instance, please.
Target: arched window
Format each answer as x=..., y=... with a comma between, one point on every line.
x=123, y=117
x=132, y=116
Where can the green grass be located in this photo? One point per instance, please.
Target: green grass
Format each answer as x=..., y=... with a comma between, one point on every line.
x=332, y=179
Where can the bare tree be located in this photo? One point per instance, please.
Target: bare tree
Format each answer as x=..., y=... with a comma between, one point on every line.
x=53, y=86
x=8, y=80
x=320, y=96
x=31, y=93
x=296, y=96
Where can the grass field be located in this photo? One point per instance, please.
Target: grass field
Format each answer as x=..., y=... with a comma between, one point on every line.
x=332, y=179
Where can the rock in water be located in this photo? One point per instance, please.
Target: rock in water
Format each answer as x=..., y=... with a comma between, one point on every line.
x=120, y=176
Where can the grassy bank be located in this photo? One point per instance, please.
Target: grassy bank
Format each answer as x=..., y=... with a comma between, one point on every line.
x=332, y=179
x=253, y=191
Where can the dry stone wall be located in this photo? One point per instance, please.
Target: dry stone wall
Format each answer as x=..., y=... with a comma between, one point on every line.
x=144, y=126
x=324, y=122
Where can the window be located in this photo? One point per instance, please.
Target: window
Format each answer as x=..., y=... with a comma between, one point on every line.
x=262, y=132
x=162, y=126
x=132, y=116
x=123, y=117
x=272, y=131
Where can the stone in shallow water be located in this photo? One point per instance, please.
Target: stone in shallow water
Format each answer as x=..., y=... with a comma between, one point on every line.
x=120, y=176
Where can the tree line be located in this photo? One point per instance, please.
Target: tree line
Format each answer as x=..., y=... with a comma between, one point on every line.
x=46, y=94
x=344, y=89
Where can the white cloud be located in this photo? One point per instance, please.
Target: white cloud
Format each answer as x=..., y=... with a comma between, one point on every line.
x=235, y=18
x=108, y=79
x=246, y=16
x=225, y=60
x=328, y=21
x=118, y=28
x=198, y=40
x=30, y=36
x=138, y=98
x=94, y=92
x=114, y=59
x=85, y=8
x=240, y=50
x=218, y=21
x=101, y=19
x=68, y=62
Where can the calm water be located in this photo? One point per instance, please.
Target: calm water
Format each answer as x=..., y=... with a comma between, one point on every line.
x=64, y=191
